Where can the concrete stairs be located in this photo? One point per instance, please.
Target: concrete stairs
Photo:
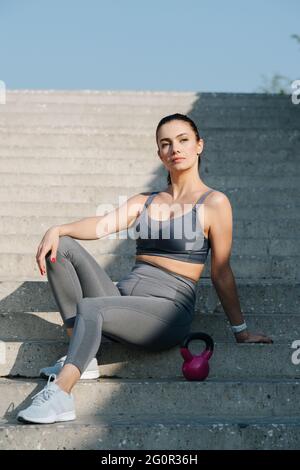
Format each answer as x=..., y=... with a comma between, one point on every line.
x=62, y=154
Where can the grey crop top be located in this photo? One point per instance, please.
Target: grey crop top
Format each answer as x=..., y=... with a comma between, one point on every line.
x=179, y=238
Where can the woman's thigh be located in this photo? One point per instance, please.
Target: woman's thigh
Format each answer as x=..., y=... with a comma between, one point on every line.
x=149, y=322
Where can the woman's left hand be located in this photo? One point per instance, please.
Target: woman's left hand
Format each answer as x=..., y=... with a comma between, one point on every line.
x=248, y=337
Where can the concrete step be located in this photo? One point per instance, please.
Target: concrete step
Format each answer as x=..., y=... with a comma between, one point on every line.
x=115, y=195
x=122, y=105
x=230, y=360
x=216, y=158
x=142, y=118
x=257, y=296
x=216, y=139
x=57, y=98
x=145, y=98
x=243, y=266
x=75, y=166
x=48, y=326
x=27, y=244
x=109, y=179
x=178, y=397
x=93, y=180
x=85, y=209
x=154, y=432
x=243, y=228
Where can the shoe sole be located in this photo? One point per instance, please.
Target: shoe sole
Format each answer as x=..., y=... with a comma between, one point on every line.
x=69, y=416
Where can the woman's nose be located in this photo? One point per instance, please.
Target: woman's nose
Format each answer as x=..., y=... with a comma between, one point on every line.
x=174, y=150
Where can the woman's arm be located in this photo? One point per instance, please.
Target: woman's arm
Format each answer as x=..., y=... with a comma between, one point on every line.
x=220, y=236
x=90, y=228
x=93, y=228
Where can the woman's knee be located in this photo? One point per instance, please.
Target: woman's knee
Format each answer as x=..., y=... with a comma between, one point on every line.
x=65, y=244
x=87, y=309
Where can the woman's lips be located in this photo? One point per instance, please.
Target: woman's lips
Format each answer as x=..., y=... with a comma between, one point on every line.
x=177, y=160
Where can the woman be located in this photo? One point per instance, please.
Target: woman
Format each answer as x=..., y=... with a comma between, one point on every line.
x=153, y=306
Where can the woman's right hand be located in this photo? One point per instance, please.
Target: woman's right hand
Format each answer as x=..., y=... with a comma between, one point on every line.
x=49, y=242
x=248, y=337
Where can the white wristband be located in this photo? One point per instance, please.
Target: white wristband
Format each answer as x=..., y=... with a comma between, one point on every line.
x=239, y=328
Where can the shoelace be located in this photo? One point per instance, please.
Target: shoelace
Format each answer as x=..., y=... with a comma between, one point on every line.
x=44, y=394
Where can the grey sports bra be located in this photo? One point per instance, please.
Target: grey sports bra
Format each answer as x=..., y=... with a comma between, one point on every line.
x=178, y=238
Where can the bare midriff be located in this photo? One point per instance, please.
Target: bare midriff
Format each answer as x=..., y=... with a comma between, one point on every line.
x=192, y=271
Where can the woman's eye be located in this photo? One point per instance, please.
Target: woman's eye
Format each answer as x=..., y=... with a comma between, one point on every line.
x=182, y=140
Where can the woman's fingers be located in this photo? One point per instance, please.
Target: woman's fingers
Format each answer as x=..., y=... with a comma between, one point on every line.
x=53, y=254
x=259, y=339
x=41, y=262
x=40, y=258
x=268, y=340
x=256, y=338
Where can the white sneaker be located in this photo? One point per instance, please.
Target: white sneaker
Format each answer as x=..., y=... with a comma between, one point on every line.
x=91, y=372
x=51, y=404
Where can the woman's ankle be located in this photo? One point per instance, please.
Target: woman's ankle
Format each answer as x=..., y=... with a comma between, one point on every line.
x=69, y=332
x=68, y=377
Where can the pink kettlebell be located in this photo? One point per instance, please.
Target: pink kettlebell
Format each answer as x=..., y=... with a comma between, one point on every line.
x=196, y=367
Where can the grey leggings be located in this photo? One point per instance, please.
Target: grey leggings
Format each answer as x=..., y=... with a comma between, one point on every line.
x=149, y=308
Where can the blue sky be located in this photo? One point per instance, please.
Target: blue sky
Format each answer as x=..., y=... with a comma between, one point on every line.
x=159, y=45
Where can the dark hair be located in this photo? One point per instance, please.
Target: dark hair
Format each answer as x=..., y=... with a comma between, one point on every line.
x=179, y=117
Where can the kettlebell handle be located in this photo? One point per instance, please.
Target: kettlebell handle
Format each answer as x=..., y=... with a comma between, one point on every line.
x=199, y=335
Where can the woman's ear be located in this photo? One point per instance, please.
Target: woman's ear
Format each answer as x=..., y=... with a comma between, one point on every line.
x=200, y=146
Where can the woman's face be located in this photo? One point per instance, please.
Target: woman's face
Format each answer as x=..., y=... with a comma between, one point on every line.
x=177, y=139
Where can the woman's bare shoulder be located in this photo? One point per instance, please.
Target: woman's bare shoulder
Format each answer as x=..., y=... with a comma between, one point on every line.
x=140, y=199
x=216, y=205
x=216, y=198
